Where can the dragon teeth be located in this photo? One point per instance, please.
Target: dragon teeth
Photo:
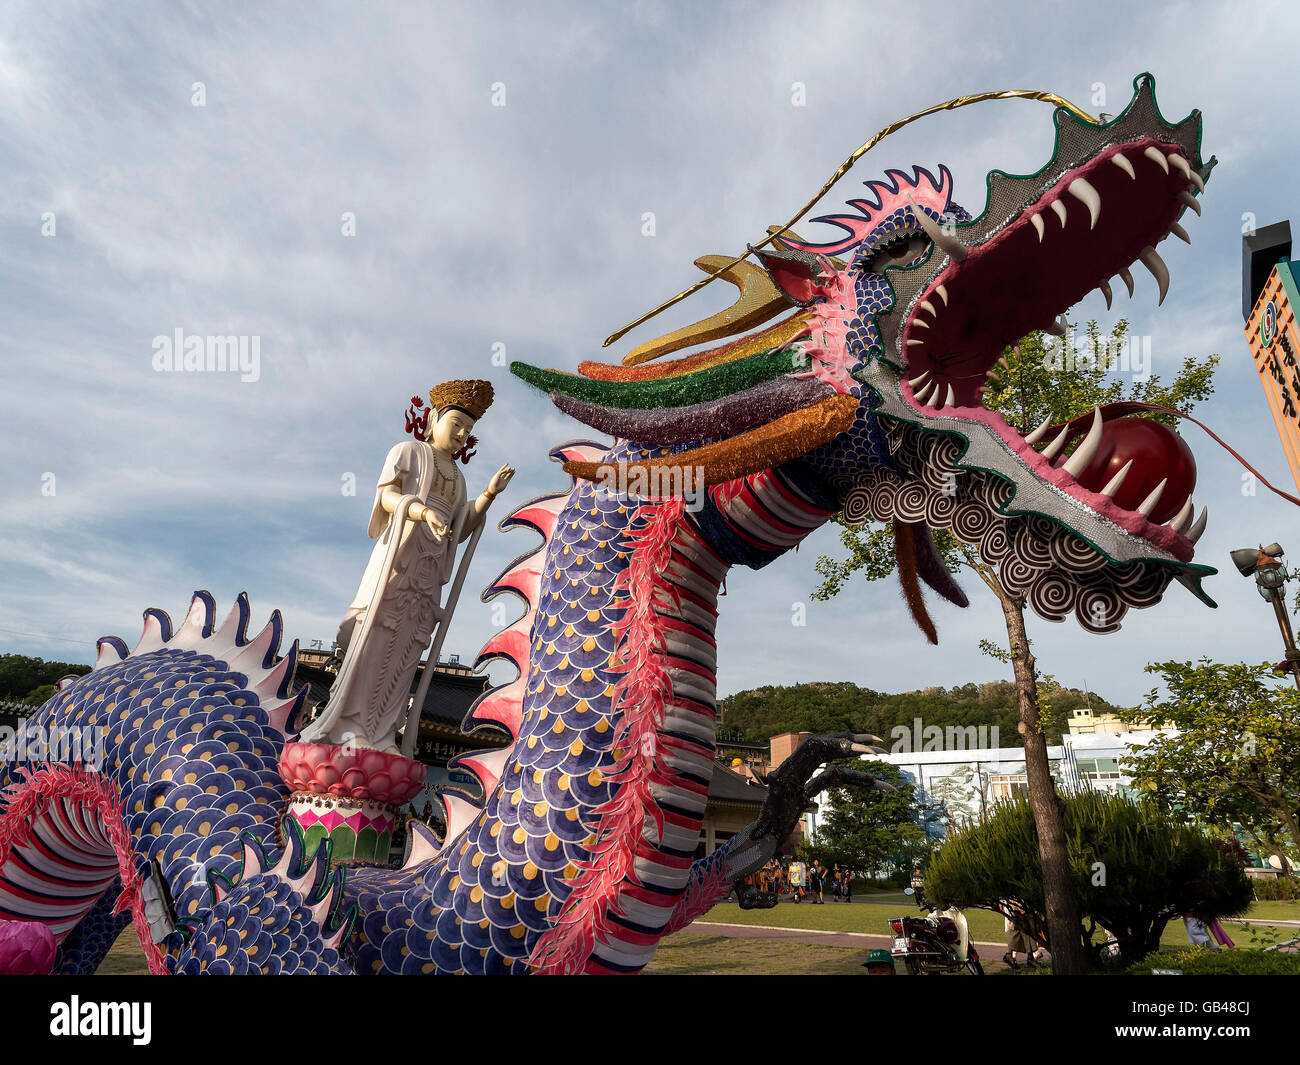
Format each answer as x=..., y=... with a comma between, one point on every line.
x=926, y=305
x=953, y=247
x=1179, y=521
x=1083, y=191
x=920, y=323
x=1039, y=433
x=1157, y=156
x=1039, y=228
x=1149, y=504
x=1059, y=208
x=1105, y=291
x=1181, y=165
x=1127, y=278
x=1083, y=454
x=1113, y=485
x=1179, y=232
x=1120, y=161
x=943, y=294
x=1188, y=200
x=1194, y=533
x=1152, y=261
x=916, y=382
x=1054, y=448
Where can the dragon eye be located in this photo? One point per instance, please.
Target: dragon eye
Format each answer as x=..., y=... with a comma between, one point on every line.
x=900, y=251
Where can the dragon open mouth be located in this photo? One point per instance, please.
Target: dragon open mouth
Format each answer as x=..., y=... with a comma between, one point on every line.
x=1095, y=223
x=1044, y=242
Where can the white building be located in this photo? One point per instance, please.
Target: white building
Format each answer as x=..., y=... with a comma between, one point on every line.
x=960, y=782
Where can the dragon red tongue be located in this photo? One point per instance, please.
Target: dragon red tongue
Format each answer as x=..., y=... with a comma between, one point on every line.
x=1157, y=453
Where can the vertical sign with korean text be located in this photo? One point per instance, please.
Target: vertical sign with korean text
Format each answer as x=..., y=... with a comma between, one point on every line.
x=1271, y=333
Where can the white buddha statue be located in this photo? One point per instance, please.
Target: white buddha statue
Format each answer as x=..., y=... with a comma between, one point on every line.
x=420, y=498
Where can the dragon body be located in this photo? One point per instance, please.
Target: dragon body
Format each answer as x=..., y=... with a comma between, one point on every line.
x=864, y=399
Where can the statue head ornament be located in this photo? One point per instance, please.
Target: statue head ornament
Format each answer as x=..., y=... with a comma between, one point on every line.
x=472, y=397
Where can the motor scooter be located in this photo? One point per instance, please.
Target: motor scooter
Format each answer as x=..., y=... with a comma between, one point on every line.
x=936, y=943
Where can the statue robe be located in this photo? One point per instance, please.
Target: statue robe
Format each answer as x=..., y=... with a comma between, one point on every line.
x=373, y=690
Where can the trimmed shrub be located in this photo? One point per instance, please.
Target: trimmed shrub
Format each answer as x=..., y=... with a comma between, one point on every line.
x=1281, y=889
x=1133, y=867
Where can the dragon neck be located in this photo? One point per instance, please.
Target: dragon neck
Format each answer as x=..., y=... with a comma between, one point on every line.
x=582, y=851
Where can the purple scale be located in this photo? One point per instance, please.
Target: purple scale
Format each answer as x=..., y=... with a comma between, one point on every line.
x=498, y=915
x=161, y=761
x=169, y=821
x=591, y=690
x=469, y=911
x=586, y=794
x=543, y=758
x=213, y=749
x=418, y=944
x=568, y=831
x=513, y=853
x=447, y=929
x=530, y=821
x=446, y=953
x=504, y=944
x=471, y=961
x=476, y=936
x=558, y=741
x=547, y=860
x=533, y=919
x=272, y=795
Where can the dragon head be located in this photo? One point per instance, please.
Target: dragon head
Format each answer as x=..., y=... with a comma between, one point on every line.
x=874, y=385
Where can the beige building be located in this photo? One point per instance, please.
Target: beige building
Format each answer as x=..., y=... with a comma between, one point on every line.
x=1084, y=722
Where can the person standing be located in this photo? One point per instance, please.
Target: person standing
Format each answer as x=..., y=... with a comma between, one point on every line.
x=1197, y=932
x=797, y=873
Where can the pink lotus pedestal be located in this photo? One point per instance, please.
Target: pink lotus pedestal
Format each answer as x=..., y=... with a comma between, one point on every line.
x=26, y=948
x=348, y=794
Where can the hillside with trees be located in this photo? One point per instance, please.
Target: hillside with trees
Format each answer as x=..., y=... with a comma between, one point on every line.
x=24, y=679
x=839, y=706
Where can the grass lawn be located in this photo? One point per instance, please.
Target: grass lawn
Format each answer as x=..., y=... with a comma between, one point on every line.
x=985, y=926
x=837, y=917
x=124, y=957
x=1280, y=910
x=691, y=952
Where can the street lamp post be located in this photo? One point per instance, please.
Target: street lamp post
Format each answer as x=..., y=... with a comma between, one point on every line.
x=1270, y=579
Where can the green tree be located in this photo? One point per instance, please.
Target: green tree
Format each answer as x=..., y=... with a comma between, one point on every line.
x=21, y=675
x=1035, y=382
x=38, y=696
x=1236, y=758
x=1132, y=868
x=866, y=829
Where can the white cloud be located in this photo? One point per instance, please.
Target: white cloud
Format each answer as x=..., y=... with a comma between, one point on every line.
x=522, y=225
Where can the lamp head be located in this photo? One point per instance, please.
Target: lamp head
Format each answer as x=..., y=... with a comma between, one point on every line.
x=1246, y=559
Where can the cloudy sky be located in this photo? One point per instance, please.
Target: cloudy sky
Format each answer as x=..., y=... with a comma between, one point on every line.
x=387, y=195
